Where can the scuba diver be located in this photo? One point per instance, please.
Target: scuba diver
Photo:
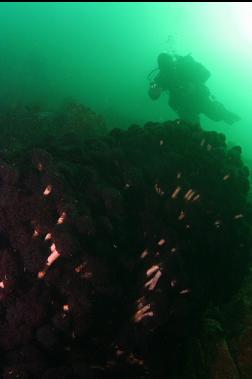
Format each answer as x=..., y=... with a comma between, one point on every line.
x=184, y=79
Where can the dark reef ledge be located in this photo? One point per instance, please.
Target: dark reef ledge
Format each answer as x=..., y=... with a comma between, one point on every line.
x=123, y=253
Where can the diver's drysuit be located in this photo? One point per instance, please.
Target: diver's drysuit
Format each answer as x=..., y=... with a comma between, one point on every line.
x=185, y=79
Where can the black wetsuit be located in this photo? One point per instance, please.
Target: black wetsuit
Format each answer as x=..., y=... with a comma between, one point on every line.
x=185, y=79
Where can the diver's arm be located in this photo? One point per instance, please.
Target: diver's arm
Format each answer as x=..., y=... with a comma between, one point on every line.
x=156, y=87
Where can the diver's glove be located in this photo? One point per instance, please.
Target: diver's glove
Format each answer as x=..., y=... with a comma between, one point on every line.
x=154, y=91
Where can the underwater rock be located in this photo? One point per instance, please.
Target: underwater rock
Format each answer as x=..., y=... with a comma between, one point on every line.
x=223, y=365
x=224, y=345
x=242, y=354
x=28, y=126
x=240, y=330
x=113, y=247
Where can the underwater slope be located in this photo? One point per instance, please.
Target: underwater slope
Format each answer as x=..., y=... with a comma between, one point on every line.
x=114, y=244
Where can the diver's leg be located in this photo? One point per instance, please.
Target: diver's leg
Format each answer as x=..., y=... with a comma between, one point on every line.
x=230, y=117
x=217, y=112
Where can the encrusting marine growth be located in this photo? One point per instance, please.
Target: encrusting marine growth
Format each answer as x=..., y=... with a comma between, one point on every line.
x=112, y=246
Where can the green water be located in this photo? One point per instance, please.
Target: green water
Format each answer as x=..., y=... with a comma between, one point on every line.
x=101, y=53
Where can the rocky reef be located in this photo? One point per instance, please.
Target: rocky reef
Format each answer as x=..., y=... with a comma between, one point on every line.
x=119, y=248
